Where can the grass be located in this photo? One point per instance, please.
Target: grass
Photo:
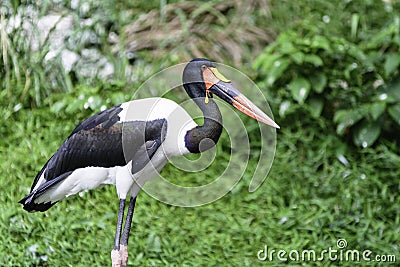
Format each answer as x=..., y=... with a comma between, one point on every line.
x=311, y=198
x=308, y=202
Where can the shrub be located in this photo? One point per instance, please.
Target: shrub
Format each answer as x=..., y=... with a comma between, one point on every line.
x=354, y=85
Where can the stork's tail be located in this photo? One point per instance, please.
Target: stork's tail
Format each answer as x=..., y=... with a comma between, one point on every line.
x=29, y=201
x=31, y=206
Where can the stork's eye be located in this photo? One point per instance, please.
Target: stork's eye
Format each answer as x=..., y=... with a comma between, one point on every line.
x=204, y=67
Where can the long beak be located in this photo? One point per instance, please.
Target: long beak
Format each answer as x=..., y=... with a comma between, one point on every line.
x=230, y=94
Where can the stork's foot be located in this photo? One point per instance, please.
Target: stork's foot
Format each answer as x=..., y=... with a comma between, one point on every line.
x=123, y=252
x=116, y=260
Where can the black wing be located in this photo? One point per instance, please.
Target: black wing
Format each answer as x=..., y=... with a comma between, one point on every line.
x=106, y=117
x=104, y=147
x=102, y=141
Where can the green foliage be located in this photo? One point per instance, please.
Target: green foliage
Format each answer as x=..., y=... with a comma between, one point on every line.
x=352, y=84
x=85, y=100
x=351, y=19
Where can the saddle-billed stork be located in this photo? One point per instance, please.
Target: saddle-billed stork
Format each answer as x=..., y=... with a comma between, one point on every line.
x=130, y=143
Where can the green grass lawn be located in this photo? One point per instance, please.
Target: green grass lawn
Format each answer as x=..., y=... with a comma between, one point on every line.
x=309, y=201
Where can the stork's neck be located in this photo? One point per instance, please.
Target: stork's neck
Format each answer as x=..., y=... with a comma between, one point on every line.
x=204, y=137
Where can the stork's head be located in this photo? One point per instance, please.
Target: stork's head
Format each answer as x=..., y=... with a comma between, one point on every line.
x=201, y=79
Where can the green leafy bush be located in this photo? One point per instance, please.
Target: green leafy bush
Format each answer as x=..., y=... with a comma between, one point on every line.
x=356, y=86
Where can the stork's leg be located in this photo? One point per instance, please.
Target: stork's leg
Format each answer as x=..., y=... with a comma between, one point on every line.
x=115, y=255
x=125, y=235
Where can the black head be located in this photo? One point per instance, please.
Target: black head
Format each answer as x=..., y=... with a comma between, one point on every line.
x=201, y=79
x=193, y=78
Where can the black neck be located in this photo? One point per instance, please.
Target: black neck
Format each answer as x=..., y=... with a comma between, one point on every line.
x=204, y=137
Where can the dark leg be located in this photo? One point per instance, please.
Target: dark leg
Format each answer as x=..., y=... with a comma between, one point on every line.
x=128, y=222
x=125, y=234
x=115, y=256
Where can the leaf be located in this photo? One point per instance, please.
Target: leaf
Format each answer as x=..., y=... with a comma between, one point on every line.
x=287, y=48
x=320, y=42
x=58, y=106
x=277, y=69
x=356, y=52
x=75, y=105
x=298, y=57
x=355, y=19
x=366, y=133
x=265, y=61
x=314, y=59
x=300, y=88
x=394, y=90
x=377, y=109
x=392, y=63
x=380, y=38
x=318, y=81
x=346, y=118
x=394, y=112
x=315, y=106
x=284, y=108
x=94, y=102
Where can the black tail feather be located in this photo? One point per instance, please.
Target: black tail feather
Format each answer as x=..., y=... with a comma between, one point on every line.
x=29, y=200
x=32, y=206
